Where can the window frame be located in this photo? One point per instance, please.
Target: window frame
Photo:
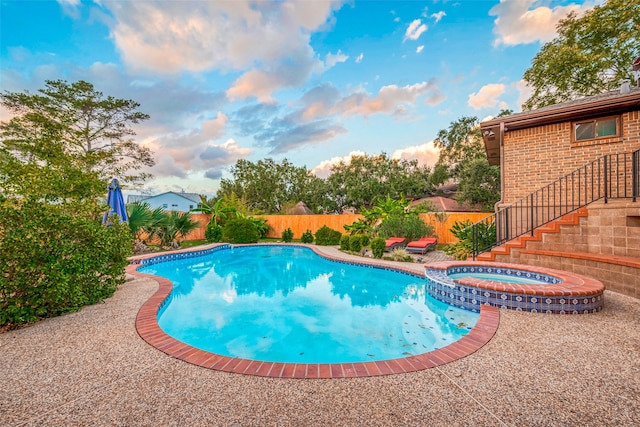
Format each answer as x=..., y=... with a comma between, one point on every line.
x=595, y=121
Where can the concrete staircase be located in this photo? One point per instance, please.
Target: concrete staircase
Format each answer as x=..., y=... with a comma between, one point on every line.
x=571, y=219
x=584, y=242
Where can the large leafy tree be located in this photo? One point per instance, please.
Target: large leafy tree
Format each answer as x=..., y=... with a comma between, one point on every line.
x=69, y=139
x=590, y=55
x=364, y=179
x=268, y=186
x=459, y=143
x=463, y=160
x=57, y=154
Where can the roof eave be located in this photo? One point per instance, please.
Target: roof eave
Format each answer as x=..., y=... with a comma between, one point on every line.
x=492, y=136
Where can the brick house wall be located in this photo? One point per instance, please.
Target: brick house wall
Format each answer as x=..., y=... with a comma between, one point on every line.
x=537, y=156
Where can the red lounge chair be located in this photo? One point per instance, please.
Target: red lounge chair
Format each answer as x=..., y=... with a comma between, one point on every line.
x=394, y=242
x=422, y=246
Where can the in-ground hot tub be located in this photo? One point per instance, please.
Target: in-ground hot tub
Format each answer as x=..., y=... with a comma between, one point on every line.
x=513, y=286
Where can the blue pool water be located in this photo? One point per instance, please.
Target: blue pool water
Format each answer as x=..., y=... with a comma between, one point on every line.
x=498, y=278
x=287, y=304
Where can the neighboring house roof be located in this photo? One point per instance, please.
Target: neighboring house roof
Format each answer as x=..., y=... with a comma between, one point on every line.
x=300, y=208
x=192, y=197
x=608, y=103
x=446, y=204
x=135, y=198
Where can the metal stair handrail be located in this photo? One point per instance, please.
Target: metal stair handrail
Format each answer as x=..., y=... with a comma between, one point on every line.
x=611, y=176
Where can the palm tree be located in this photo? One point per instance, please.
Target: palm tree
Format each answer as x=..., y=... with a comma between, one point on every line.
x=175, y=225
x=143, y=221
x=217, y=209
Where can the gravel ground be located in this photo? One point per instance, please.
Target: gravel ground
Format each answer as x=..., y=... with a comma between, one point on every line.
x=91, y=368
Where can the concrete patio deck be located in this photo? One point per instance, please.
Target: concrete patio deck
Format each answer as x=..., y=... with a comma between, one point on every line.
x=92, y=368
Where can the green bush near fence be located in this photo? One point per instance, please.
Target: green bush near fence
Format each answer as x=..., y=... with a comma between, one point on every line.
x=307, y=237
x=240, y=230
x=411, y=227
x=52, y=262
x=377, y=247
x=345, y=243
x=326, y=236
x=287, y=235
x=355, y=243
x=213, y=233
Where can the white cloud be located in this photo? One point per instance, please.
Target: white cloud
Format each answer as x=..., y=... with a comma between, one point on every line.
x=325, y=101
x=435, y=98
x=415, y=30
x=390, y=99
x=262, y=84
x=487, y=96
x=332, y=59
x=419, y=48
x=259, y=38
x=173, y=160
x=525, y=91
x=323, y=170
x=70, y=7
x=438, y=16
x=359, y=58
x=426, y=154
x=255, y=83
x=521, y=22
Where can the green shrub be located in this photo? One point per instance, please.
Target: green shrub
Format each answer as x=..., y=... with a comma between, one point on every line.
x=240, y=230
x=355, y=243
x=307, y=237
x=377, y=247
x=213, y=233
x=365, y=240
x=287, y=235
x=400, y=254
x=411, y=227
x=345, y=243
x=54, y=262
x=326, y=236
x=462, y=230
x=261, y=226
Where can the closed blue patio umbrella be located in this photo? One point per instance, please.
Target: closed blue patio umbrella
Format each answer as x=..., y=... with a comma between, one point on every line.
x=115, y=200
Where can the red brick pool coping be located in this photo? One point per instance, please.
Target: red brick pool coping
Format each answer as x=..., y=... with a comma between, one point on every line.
x=149, y=330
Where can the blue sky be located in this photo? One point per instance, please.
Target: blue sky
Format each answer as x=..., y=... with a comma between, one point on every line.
x=311, y=81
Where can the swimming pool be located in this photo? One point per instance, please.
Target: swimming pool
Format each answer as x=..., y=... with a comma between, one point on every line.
x=409, y=300
x=287, y=304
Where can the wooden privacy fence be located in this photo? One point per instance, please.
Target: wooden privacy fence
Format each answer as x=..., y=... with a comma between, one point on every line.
x=301, y=223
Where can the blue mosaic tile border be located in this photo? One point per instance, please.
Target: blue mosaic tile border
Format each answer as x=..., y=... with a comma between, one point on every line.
x=442, y=288
x=513, y=272
x=176, y=256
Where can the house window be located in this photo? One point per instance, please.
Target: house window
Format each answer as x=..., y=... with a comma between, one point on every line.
x=164, y=206
x=596, y=128
x=175, y=205
x=190, y=207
